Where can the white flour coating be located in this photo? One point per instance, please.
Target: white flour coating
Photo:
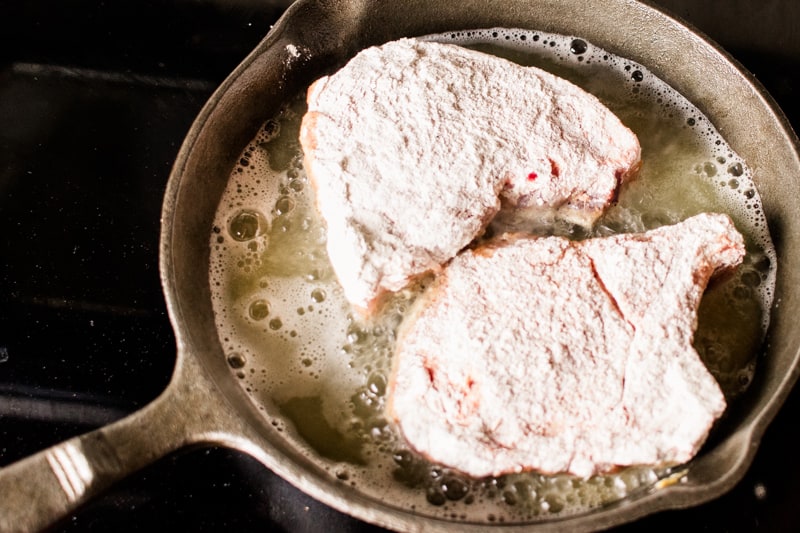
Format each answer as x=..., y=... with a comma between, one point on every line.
x=413, y=145
x=548, y=355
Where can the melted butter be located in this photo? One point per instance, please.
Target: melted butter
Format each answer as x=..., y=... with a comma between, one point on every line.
x=320, y=375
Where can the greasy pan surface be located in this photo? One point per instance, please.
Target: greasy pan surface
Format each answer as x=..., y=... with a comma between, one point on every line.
x=328, y=33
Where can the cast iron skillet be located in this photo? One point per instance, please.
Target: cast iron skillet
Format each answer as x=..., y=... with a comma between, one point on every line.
x=204, y=403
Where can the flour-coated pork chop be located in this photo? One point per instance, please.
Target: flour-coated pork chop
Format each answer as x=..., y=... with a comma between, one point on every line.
x=414, y=146
x=551, y=355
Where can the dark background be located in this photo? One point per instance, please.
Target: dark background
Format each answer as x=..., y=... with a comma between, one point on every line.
x=95, y=99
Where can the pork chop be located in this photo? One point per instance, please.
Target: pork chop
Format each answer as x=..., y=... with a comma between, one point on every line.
x=414, y=146
x=556, y=356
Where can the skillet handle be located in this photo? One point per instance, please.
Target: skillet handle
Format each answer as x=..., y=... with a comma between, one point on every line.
x=38, y=491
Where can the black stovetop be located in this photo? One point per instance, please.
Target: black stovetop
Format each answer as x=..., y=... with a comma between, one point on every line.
x=95, y=99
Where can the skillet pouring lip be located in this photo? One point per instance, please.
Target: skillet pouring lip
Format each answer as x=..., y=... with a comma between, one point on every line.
x=326, y=33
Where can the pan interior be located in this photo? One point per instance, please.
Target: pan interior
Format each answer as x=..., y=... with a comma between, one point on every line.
x=319, y=375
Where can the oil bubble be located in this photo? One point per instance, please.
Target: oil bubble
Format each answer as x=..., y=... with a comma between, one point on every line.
x=736, y=169
x=271, y=128
x=236, y=360
x=275, y=324
x=454, y=488
x=377, y=384
x=554, y=504
x=578, y=46
x=318, y=295
x=403, y=458
x=246, y=225
x=355, y=335
x=259, y=309
x=509, y=497
x=283, y=205
x=435, y=496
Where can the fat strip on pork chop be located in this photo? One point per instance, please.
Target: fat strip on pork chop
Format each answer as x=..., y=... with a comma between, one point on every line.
x=414, y=146
x=551, y=355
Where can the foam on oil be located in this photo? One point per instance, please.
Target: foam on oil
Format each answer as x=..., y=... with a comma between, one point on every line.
x=319, y=374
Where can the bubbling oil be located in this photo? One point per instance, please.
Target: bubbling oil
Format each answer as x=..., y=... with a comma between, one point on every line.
x=320, y=374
